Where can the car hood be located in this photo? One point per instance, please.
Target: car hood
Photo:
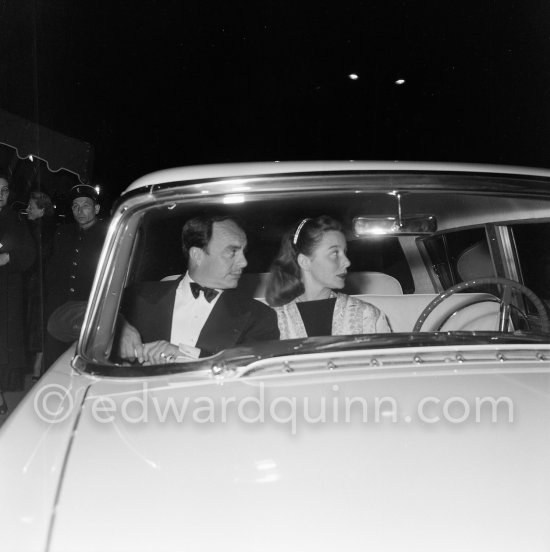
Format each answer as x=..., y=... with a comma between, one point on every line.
x=174, y=463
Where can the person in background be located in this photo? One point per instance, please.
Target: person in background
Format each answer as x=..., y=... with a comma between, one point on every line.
x=17, y=254
x=71, y=267
x=41, y=216
x=311, y=264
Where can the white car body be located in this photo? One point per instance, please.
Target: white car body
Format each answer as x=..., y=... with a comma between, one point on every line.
x=453, y=453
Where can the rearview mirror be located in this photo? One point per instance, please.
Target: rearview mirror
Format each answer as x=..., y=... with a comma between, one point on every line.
x=393, y=226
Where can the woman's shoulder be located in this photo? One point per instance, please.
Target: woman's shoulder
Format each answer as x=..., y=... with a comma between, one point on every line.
x=364, y=317
x=355, y=302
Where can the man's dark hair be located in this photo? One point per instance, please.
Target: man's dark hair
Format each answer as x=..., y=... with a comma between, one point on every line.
x=197, y=232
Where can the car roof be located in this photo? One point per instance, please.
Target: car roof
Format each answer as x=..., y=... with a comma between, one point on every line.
x=235, y=170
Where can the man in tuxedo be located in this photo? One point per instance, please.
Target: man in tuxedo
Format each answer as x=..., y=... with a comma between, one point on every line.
x=200, y=313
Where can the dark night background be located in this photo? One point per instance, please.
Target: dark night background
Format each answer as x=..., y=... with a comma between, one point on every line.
x=153, y=84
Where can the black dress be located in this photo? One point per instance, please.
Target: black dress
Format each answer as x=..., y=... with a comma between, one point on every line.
x=317, y=316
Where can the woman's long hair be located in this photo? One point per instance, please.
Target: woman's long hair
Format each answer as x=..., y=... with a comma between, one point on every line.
x=285, y=278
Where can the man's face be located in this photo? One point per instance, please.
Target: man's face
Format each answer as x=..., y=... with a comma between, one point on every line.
x=220, y=264
x=4, y=192
x=85, y=211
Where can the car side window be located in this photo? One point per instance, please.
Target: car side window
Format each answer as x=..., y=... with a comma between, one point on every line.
x=455, y=257
x=533, y=249
x=381, y=255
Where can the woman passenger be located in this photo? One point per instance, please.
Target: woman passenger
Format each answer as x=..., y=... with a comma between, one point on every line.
x=311, y=264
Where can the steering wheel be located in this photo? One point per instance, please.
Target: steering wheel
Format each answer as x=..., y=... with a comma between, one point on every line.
x=505, y=302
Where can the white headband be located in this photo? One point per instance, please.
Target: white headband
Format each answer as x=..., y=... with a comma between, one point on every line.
x=297, y=233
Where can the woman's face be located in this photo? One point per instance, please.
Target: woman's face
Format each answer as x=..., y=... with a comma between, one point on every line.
x=4, y=192
x=328, y=265
x=33, y=211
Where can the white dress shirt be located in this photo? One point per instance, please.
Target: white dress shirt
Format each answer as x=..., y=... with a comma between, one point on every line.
x=190, y=315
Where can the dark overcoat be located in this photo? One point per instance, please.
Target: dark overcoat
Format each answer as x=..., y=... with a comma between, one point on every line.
x=17, y=241
x=70, y=273
x=71, y=267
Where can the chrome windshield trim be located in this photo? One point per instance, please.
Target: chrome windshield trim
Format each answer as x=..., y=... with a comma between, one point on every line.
x=238, y=362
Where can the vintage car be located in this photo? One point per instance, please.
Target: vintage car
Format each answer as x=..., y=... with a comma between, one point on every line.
x=435, y=436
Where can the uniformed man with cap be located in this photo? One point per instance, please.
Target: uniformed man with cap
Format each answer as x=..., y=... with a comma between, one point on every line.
x=76, y=250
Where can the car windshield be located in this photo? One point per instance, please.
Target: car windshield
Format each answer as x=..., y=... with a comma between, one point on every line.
x=444, y=229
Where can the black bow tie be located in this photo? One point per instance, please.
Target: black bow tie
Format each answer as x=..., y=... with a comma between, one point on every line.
x=209, y=293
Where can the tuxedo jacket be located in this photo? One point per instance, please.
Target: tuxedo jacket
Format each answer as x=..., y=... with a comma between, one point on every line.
x=235, y=319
